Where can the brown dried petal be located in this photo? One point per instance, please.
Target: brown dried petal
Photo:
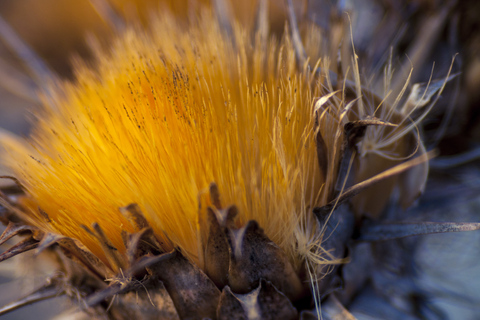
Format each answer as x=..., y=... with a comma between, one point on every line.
x=111, y=252
x=215, y=196
x=230, y=307
x=150, y=301
x=217, y=254
x=263, y=303
x=134, y=215
x=274, y=304
x=322, y=154
x=140, y=244
x=195, y=296
x=255, y=257
x=74, y=250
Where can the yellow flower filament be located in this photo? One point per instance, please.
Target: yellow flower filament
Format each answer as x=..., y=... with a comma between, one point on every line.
x=160, y=118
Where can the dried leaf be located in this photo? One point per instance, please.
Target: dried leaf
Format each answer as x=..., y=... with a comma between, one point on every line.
x=422, y=93
x=391, y=230
x=14, y=229
x=359, y=187
x=447, y=162
x=23, y=246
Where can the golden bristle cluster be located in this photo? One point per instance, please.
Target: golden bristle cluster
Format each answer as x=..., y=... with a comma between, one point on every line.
x=163, y=117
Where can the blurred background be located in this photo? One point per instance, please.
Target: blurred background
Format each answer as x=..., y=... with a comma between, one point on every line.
x=440, y=271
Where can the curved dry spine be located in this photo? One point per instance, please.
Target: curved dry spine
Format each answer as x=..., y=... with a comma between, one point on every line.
x=53, y=288
x=13, y=229
x=23, y=246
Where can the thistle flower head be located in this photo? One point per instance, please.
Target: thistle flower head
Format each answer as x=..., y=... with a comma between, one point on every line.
x=166, y=112
x=161, y=117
